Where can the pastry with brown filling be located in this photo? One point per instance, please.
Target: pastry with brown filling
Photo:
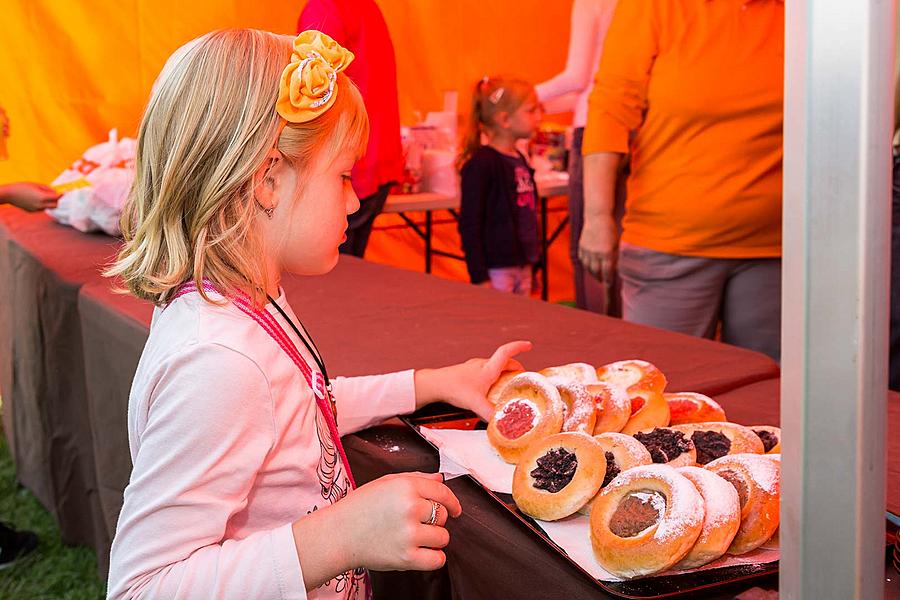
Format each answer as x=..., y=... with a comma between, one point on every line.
x=770, y=438
x=645, y=521
x=722, y=517
x=613, y=406
x=691, y=407
x=529, y=409
x=757, y=479
x=717, y=439
x=558, y=475
x=668, y=446
x=622, y=452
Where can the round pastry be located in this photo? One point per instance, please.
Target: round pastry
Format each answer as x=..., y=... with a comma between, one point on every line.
x=691, y=407
x=493, y=394
x=529, y=409
x=770, y=437
x=633, y=374
x=580, y=372
x=558, y=475
x=613, y=406
x=622, y=452
x=645, y=521
x=668, y=446
x=773, y=542
x=717, y=439
x=757, y=479
x=580, y=413
x=648, y=409
x=722, y=517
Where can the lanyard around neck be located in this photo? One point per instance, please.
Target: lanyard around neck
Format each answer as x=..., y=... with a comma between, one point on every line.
x=306, y=339
x=316, y=380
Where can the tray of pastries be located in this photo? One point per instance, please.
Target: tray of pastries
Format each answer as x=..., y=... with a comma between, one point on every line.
x=649, y=493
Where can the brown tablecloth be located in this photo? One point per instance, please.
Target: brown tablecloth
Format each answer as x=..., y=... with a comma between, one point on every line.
x=42, y=375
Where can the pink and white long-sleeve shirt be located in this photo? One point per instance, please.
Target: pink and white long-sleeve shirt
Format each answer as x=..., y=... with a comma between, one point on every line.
x=229, y=449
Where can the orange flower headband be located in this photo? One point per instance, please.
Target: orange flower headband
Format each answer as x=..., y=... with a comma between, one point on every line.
x=309, y=83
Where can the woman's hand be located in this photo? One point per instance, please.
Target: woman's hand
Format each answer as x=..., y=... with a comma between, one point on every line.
x=597, y=247
x=383, y=525
x=466, y=385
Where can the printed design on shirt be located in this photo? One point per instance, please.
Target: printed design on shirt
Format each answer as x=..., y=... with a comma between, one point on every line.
x=333, y=481
x=524, y=188
x=350, y=582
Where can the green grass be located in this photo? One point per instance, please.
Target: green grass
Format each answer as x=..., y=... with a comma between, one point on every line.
x=53, y=570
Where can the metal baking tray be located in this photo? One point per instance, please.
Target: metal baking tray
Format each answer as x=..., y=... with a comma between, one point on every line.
x=665, y=586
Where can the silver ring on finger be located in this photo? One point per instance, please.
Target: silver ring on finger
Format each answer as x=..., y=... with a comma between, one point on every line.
x=434, y=513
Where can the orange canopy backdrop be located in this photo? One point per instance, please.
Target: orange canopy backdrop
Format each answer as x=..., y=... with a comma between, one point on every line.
x=72, y=70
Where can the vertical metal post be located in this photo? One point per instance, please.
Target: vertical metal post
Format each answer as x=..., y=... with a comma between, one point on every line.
x=837, y=165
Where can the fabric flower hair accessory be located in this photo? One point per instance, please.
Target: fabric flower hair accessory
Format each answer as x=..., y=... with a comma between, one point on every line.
x=309, y=83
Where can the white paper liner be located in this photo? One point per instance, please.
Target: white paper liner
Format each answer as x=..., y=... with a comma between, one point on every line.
x=472, y=451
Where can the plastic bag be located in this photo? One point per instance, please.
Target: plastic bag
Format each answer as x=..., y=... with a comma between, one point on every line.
x=97, y=185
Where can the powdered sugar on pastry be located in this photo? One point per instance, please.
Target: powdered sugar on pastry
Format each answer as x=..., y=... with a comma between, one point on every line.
x=722, y=505
x=765, y=471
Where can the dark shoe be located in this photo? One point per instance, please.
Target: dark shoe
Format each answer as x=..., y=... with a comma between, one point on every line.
x=14, y=545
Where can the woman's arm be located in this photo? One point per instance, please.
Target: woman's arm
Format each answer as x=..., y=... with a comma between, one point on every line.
x=616, y=107
x=586, y=34
x=599, y=237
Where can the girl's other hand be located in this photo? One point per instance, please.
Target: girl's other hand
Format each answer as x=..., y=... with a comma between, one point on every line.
x=466, y=385
x=382, y=525
x=387, y=522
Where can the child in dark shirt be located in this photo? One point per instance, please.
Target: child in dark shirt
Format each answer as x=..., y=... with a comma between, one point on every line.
x=497, y=218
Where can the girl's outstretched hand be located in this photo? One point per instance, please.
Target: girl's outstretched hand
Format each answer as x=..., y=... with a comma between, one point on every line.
x=466, y=385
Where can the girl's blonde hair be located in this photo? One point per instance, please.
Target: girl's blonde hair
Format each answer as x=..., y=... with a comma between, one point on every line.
x=209, y=125
x=491, y=96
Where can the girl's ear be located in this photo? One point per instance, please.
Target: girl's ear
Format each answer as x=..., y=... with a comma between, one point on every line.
x=502, y=119
x=264, y=179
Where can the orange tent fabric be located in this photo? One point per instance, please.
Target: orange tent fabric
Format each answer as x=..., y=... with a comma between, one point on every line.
x=69, y=72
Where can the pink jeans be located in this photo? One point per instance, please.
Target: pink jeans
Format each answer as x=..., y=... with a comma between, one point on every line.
x=512, y=279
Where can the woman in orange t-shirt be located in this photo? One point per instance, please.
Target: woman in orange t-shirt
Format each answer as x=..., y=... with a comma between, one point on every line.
x=693, y=91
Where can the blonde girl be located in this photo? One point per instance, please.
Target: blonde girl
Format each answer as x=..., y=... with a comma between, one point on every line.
x=498, y=217
x=240, y=487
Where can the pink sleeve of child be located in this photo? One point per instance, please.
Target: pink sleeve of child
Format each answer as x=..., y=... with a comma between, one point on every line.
x=208, y=426
x=366, y=401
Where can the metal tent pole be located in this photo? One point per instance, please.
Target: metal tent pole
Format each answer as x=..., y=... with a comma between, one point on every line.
x=838, y=120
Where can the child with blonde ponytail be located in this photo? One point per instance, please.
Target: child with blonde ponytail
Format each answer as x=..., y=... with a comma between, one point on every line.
x=498, y=218
x=240, y=486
